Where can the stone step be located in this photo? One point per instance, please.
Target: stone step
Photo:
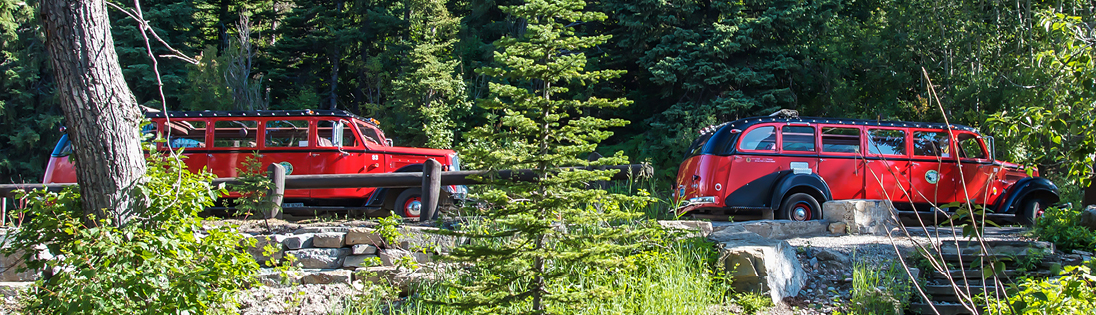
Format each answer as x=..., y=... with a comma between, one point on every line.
x=942, y=308
x=945, y=293
x=977, y=274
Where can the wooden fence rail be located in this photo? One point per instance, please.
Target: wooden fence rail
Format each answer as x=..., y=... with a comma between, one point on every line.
x=431, y=179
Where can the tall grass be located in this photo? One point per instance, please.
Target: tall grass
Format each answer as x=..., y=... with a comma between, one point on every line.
x=879, y=290
x=675, y=277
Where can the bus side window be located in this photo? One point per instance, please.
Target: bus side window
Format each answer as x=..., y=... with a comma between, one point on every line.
x=931, y=143
x=332, y=133
x=186, y=134
x=761, y=138
x=840, y=140
x=969, y=147
x=235, y=134
x=287, y=133
x=797, y=138
x=886, y=142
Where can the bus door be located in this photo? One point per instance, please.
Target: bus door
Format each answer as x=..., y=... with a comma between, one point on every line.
x=798, y=148
x=233, y=141
x=754, y=168
x=840, y=162
x=977, y=168
x=189, y=135
x=934, y=172
x=286, y=142
x=338, y=151
x=888, y=166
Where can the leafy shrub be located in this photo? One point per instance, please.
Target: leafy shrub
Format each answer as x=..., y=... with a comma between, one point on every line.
x=1072, y=293
x=161, y=262
x=1059, y=226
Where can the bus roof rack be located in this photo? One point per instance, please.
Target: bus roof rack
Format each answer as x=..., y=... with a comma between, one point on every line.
x=785, y=113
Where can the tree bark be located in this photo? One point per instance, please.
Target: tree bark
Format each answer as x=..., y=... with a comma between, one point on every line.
x=100, y=110
x=1090, y=191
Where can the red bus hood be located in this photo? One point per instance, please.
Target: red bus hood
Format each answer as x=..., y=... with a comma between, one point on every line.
x=416, y=151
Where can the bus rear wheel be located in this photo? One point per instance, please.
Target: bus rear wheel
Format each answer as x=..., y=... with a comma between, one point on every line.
x=800, y=207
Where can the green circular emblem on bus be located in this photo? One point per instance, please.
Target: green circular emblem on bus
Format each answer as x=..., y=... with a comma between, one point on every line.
x=932, y=176
x=288, y=167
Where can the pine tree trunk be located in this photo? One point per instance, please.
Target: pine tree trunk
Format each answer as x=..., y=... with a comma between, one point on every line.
x=1090, y=191
x=100, y=111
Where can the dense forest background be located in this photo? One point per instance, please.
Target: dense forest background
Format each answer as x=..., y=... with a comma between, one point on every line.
x=1021, y=70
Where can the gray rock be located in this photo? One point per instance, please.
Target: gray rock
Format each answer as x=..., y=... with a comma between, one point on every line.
x=838, y=227
x=1088, y=218
x=326, y=276
x=319, y=258
x=833, y=256
x=389, y=257
x=695, y=228
x=258, y=251
x=329, y=240
x=298, y=241
x=358, y=261
x=862, y=216
x=321, y=229
x=363, y=249
x=776, y=229
x=421, y=238
x=814, y=263
x=758, y=264
x=278, y=278
x=13, y=289
x=357, y=236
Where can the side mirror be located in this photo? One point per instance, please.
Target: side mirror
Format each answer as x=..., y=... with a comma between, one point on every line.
x=991, y=148
x=388, y=142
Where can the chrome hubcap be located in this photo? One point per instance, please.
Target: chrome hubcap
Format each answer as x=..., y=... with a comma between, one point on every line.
x=413, y=208
x=800, y=213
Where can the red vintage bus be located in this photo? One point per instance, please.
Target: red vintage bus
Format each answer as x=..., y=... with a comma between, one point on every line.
x=303, y=141
x=790, y=165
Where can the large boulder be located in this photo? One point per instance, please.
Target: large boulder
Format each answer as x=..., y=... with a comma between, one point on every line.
x=861, y=216
x=1088, y=218
x=758, y=264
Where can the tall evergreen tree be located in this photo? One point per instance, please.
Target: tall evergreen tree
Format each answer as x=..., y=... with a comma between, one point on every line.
x=429, y=94
x=543, y=230
x=29, y=113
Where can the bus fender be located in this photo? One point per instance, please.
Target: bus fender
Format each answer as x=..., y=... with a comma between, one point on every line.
x=382, y=196
x=1023, y=188
x=812, y=183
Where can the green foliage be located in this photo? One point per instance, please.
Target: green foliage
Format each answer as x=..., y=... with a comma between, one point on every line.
x=1072, y=293
x=429, y=95
x=254, y=188
x=163, y=262
x=535, y=233
x=1059, y=226
x=879, y=291
x=206, y=88
x=29, y=114
x=1059, y=131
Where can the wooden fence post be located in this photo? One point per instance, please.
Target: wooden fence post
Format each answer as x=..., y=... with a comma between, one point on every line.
x=431, y=189
x=276, y=172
